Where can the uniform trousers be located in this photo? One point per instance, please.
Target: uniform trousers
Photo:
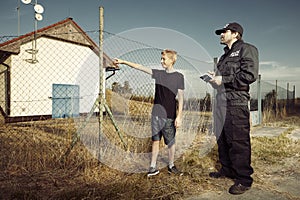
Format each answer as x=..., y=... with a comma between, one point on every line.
x=233, y=139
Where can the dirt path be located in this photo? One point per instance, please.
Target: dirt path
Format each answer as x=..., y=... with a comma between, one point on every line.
x=277, y=181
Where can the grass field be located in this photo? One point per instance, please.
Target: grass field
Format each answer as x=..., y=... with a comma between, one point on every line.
x=30, y=168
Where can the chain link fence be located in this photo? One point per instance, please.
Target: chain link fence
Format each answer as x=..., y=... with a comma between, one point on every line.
x=49, y=101
x=274, y=101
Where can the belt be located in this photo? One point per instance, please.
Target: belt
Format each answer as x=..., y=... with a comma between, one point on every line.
x=246, y=89
x=237, y=103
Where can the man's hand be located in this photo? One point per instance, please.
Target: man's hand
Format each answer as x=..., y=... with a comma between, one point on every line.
x=216, y=80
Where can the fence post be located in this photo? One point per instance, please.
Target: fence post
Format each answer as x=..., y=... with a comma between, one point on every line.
x=276, y=95
x=259, y=99
x=101, y=72
x=213, y=99
x=294, y=98
x=287, y=102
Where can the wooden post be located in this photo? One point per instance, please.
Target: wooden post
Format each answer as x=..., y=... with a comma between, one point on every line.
x=101, y=71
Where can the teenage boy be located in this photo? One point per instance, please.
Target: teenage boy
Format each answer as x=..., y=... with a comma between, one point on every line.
x=166, y=115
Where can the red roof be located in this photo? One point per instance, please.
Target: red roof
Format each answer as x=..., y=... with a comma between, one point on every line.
x=57, y=30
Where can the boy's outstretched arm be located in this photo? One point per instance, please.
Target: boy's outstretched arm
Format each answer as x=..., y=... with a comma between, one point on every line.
x=133, y=65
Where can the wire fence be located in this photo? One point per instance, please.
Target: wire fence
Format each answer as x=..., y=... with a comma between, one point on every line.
x=275, y=99
x=48, y=97
x=28, y=89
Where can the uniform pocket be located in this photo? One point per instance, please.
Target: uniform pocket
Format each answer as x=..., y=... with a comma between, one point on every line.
x=240, y=115
x=240, y=122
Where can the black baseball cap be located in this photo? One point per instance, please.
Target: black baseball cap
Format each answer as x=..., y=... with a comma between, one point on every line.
x=231, y=26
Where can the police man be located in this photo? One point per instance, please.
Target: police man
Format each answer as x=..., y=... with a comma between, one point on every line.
x=236, y=69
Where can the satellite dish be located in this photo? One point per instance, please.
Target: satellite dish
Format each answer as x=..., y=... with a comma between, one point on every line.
x=26, y=1
x=38, y=8
x=38, y=16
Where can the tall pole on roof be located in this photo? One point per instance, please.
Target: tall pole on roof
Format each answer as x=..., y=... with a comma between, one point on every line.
x=18, y=10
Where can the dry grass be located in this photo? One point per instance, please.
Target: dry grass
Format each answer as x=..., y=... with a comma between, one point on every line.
x=30, y=169
x=30, y=165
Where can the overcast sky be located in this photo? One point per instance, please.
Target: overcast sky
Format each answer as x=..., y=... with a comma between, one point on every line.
x=271, y=25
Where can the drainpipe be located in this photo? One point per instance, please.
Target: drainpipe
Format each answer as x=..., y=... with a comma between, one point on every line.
x=7, y=90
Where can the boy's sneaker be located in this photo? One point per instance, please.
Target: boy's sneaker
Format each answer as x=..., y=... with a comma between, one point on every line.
x=174, y=170
x=152, y=172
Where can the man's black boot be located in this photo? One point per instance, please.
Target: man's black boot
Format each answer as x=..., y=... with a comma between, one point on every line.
x=238, y=188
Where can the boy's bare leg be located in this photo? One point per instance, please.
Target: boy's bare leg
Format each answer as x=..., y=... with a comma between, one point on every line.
x=155, y=150
x=171, y=168
x=171, y=151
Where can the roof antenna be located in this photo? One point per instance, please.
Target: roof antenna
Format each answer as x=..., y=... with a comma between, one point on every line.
x=38, y=11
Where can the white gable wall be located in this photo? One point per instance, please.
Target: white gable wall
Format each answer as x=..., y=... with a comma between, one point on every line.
x=58, y=63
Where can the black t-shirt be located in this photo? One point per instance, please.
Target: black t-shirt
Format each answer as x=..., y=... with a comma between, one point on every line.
x=166, y=89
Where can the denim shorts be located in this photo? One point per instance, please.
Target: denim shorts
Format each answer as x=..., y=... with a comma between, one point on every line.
x=163, y=128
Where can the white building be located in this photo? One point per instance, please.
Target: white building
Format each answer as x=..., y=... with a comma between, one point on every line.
x=53, y=72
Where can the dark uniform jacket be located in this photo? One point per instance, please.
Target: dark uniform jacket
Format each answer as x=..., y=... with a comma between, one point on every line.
x=238, y=67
